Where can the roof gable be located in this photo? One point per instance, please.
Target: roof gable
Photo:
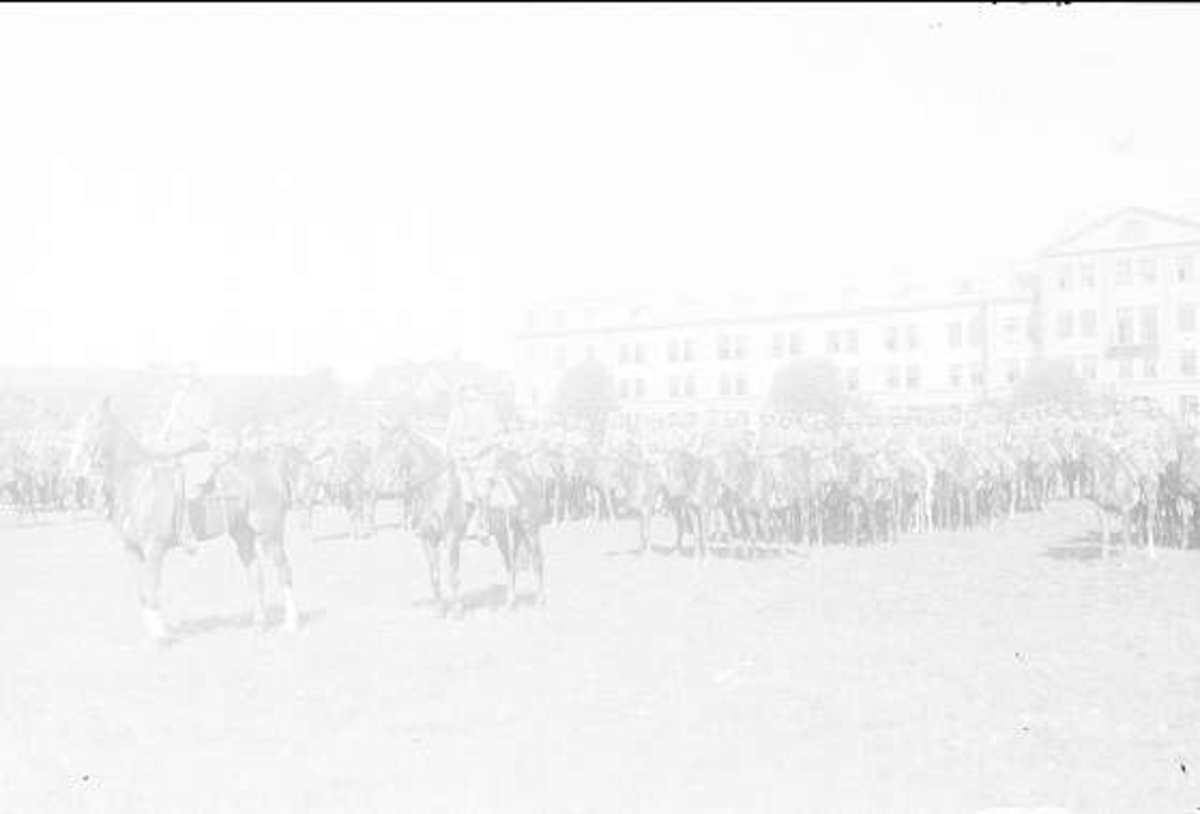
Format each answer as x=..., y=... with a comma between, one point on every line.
x=1125, y=229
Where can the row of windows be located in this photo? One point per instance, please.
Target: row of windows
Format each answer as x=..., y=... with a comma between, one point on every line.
x=1146, y=271
x=1084, y=322
x=895, y=377
x=1088, y=367
x=735, y=346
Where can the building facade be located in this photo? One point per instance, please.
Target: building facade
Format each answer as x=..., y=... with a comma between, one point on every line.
x=906, y=352
x=1120, y=300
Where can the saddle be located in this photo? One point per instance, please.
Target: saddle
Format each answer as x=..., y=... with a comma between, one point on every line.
x=208, y=510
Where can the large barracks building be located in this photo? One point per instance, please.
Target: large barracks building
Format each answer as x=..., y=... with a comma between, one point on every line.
x=1118, y=299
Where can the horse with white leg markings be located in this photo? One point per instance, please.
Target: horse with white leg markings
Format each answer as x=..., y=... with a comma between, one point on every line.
x=148, y=509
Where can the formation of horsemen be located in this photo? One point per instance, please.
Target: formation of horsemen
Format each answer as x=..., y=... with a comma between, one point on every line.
x=749, y=486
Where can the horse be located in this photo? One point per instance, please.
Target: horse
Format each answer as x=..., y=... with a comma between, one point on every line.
x=147, y=506
x=692, y=490
x=432, y=486
x=1113, y=487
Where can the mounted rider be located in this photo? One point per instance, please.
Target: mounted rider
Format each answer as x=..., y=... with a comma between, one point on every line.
x=186, y=432
x=472, y=434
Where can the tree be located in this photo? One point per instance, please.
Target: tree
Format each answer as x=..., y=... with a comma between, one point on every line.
x=1050, y=383
x=808, y=387
x=586, y=393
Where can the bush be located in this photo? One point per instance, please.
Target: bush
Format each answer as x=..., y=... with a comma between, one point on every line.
x=586, y=393
x=808, y=387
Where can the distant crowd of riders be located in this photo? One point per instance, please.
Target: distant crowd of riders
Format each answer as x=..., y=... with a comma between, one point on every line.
x=751, y=485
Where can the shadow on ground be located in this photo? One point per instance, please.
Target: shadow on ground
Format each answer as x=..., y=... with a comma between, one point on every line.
x=494, y=597
x=192, y=628
x=1083, y=548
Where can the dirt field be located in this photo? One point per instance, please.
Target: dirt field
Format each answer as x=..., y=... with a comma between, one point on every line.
x=950, y=673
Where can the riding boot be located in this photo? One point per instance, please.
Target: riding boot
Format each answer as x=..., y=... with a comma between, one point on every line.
x=477, y=527
x=187, y=538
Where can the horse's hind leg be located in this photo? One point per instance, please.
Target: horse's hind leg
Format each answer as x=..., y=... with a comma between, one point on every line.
x=454, y=542
x=534, y=542
x=433, y=556
x=272, y=547
x=149, y=571
x=248, y=554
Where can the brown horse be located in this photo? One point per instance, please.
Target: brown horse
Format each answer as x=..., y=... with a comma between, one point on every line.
x=431, y=486
x=147, y=509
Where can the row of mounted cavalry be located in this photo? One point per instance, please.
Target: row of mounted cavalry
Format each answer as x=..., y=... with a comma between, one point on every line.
x=746, y=495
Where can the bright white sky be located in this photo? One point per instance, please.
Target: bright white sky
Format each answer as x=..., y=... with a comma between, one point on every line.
x=273, y=188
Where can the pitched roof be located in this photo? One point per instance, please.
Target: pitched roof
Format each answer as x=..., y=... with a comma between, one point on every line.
x=1127, y=228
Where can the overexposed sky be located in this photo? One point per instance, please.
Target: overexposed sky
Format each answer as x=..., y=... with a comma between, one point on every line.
x=277, y=188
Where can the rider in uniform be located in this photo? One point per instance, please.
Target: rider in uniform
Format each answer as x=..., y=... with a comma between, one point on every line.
x=471, y=435
x=188, y=425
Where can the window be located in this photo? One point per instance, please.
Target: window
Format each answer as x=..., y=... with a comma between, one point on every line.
x=976, y=375
x=723, y=347
x=1149, y=369
x=689, y=386
x=1066, y=277
x=912, y=377
x=590, y=353
x=1013, y=371
x=739, y=346
x=795, y=343
x=893, y=338
x=559, y=318
x=852, y=379
x=1187, y=318
x=1124, y=326
x=1147, y=271
x=955, y=331
x=1183, y=268
x=1066, y=325
x=1125, y=368
x=689, y=350
x=639, y=388
x=975, y=331
x=1088, y=365
x=724, y=385
x=893, y=377
x=851, y=341
x=913, y=337
x=623, y=357
x=1125, y=272
x=777, y=344
x=1087, y=322
x=623, y=388
x=639, y=354
x=956, y=375
x=1149, y=325
x=833, y=342
x=1187, y=362
x=1012, y=328
x=673, y=387
x=741, y=384
x=1087, y=275
x=673, y=350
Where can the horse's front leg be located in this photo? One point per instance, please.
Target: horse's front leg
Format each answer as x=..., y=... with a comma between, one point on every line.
x=149, y=567
x=433, y=557
x=252, y=563
x=454, y=554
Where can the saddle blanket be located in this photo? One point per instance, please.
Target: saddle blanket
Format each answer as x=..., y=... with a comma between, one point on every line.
x=206, y=516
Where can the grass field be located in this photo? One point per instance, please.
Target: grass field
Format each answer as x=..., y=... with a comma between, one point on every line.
x=949, y=673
